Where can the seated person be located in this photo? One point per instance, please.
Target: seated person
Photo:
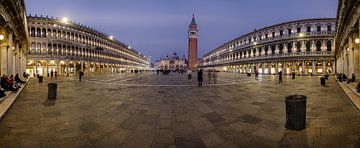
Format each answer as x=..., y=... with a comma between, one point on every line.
x=25, y=75
x=358, y=87
x=14, y=83
x=344, y=77
x=352, y=78
x=18, y=80
x=5, y=85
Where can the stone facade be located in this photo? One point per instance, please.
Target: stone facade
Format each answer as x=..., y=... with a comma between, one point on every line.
x=347, y=37
x=13, y=37
x=67, y=48
x=304, y=46
x=174, y=63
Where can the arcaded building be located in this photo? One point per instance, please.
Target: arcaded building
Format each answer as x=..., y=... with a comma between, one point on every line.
x=13, y=37
x=347, y=38
x=65, y=47
x=303, y=46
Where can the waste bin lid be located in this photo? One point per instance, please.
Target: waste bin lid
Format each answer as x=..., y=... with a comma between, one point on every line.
x=295, y=97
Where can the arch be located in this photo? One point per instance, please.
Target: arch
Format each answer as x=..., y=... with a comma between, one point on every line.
x=328, y=46
x=273, y=48
x=281, y=47
x=32, y=32
x=318, y=45
x=289, y=47
x=43, y=32
x=298, y=47
x=38, y=32
x=308, y=46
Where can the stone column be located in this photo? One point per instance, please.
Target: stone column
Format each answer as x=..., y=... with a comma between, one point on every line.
x=313, y=67
x=334, y=67
x=324, y=66
x=75, y=68
x=350, y=57
x=276, y=67
x=82, y=66
x=303, y=68
x=47, y=68
x=284, y=68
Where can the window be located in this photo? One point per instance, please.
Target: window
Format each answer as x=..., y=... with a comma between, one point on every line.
x=32, y=32
x=266, y=36
x=38, y=32
x=328, y=27
x=273, y=49
x=308, y=29
x=328, y=46
x=43, y=33
x=308, y=46
x=298, y=29
x=260, y=37
x=281, y=32
x=260, y=51
x=298, y=47
x=249, y=40
x=254, y=39
x=273, y=34
x=281, y=47
x=318, y=45
x=289, y=31
x=318, y=28
x=289, y=47
x=266, y=50
x=254, y=51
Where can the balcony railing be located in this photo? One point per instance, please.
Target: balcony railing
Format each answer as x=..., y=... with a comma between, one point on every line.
x=273, y=56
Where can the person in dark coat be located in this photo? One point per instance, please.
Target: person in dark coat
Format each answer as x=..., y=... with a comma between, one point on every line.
x=280, y=77
x=200, y=77
x=18, y=80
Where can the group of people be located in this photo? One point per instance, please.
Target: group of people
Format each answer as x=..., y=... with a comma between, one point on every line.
x=211, y=75
x=343, y=78
x=11, y=83
x=52, y=74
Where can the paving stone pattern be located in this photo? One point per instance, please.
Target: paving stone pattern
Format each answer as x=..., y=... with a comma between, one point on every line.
x=237, y=112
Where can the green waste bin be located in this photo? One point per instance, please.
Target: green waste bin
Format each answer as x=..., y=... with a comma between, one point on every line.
x=295, y=112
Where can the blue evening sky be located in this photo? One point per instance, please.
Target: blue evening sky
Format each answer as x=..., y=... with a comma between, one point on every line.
x=159, y=27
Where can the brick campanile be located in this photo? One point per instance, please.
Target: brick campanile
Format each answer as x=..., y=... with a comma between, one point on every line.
x=193, y=45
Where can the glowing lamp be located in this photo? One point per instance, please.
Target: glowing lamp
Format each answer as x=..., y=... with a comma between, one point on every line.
x=357, y=40
x=2, y=37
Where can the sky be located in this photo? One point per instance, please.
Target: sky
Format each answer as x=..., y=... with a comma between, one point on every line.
x=158, y=28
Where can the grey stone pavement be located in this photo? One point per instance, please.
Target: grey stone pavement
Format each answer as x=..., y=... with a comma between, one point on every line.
x=170, y=111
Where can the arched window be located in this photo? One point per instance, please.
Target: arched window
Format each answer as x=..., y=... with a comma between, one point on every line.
x=260, y=51
x=273, y=49
x=44, y=33
x=38, y=32
x=281, y=47
x=328, y=46
x=289, y=47
x=32, y=32
x=49, y=49
x=43, y=48
x=38, y=48
x=32, y=48
x=266, y=50
x=308, y=46
x=318, y=45
x=48, y=33
x=254, y=52
x=298, y=47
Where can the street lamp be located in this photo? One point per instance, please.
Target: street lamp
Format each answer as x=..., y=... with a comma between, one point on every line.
x=357, y=40
x=2, y=37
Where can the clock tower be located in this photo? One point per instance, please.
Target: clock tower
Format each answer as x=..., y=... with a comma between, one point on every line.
x=193, y=45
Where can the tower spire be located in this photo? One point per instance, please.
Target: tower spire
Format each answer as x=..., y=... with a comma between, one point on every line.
x=193, y=22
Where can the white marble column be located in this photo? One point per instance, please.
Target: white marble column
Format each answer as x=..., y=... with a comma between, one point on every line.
x=313, y=67
x=303, y=68
x=324, y=66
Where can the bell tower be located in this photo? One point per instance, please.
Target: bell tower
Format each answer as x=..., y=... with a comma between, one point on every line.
x=193, y=44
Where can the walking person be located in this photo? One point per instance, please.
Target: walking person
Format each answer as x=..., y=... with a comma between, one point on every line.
x=56, y=74
x=51, y=74
x=293, y=75
x=200, y=77
x=209, y=76
x=189, y=72
x=214, y=75
x=280, y=77
x=80, y=75
x=256, y=75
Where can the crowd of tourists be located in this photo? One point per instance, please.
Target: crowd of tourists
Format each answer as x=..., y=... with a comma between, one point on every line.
x=11, y=83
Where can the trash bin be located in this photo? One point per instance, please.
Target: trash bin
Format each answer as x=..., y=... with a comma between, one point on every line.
x=40, y=79
x=322, y=81
x=295, y=112
x=52, y=88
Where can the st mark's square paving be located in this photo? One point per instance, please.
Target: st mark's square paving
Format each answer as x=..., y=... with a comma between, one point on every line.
x=150, y=110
